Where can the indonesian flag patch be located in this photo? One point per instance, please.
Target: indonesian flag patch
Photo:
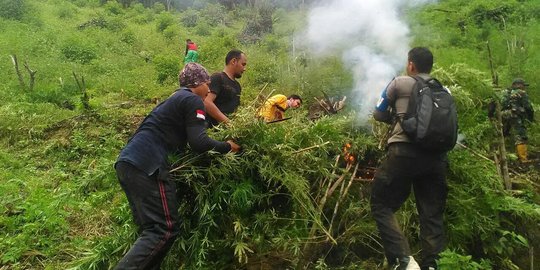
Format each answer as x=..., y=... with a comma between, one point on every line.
x=200, y=114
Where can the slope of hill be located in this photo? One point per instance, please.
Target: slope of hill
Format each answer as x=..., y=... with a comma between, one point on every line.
x=101, y=66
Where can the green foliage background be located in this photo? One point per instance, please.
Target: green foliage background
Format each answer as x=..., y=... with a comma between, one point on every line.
x=61, y=206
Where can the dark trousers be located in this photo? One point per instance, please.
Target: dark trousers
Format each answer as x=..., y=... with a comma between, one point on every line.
x=407, y=166
x=155, y=210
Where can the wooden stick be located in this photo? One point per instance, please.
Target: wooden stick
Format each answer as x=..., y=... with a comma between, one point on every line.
x=262, y=89
x=77, y=80
x=474, y=152
x=18, y=71
x=322, y=105
x=32, y=74
x=279, y=120
x=498, y=126
x=336, y=207
x=258, y=108
x=329, y=102
x=494, y=77
x=259, y=94
x=531, y=255
x=342, y=195
x=332, y=173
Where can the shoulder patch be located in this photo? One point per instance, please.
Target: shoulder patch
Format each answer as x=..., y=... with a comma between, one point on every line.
x=201, y=114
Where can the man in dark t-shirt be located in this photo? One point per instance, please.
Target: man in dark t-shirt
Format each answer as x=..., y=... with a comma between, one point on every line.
x=224, y=96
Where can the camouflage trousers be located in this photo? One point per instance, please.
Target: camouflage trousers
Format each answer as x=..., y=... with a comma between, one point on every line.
x=515, y=126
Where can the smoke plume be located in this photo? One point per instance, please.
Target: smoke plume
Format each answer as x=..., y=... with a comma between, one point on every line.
x=370, y=35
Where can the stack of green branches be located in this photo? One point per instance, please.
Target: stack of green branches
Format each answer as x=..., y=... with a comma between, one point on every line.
x=280, y=201
x=290, y=200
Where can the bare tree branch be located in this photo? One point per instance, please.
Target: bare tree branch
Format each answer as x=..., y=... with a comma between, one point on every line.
x=32, y=74
x=18, y=71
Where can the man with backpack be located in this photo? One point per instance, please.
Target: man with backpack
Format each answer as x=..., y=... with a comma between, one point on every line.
x=424, y=127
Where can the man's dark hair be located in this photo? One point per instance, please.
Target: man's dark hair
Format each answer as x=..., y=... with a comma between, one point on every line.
x=233, y=54
x=422, y=59
x=295, y=97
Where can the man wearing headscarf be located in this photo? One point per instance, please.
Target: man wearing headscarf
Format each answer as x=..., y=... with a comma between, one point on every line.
x=143, y=170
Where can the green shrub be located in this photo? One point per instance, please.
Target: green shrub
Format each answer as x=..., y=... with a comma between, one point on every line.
x=263, y=70
x=164, y=20
x=158, y=7
x=61, y=97
x=171, y=32
x=36, y=230
x=451, y=260
x=167, y=68
x=138, y=8
x=13, y=9
x=114, y=7
x=78, y=50
x=140, y=14
x=66, y=11
x=102, y=21
x=128, y=37
x=23, y=119
x=116, y=23
x=190, y=18
x=203, y=29
x=214, y=15
x=214, y=50
x=275, y=44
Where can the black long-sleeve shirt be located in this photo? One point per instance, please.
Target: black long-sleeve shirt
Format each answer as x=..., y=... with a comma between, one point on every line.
x=177, y=121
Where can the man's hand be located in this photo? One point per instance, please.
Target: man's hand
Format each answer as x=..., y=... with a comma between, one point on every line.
x=234, y=147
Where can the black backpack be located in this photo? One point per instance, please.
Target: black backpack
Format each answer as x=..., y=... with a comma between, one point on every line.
x=431, y=117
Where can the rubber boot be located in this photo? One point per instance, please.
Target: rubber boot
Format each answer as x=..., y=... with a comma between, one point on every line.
x=521, y=150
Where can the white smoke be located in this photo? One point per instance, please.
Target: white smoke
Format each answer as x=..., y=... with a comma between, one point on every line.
x=372, y=38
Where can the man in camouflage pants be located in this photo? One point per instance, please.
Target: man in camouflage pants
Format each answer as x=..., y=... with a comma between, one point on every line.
x=516, y=111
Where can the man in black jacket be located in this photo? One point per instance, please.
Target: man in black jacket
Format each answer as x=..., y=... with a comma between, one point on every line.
x=143, y=170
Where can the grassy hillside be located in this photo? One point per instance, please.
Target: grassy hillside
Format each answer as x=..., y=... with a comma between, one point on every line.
x=60, y=203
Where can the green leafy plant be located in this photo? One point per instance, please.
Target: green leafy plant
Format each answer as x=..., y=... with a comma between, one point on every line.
x=77, y=50
x=190, y=18
x=13, y=9
x=452, y=260
x=164, y=20
x=167, y=67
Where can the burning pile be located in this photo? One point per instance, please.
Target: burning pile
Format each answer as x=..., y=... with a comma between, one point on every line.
x=290, y=192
